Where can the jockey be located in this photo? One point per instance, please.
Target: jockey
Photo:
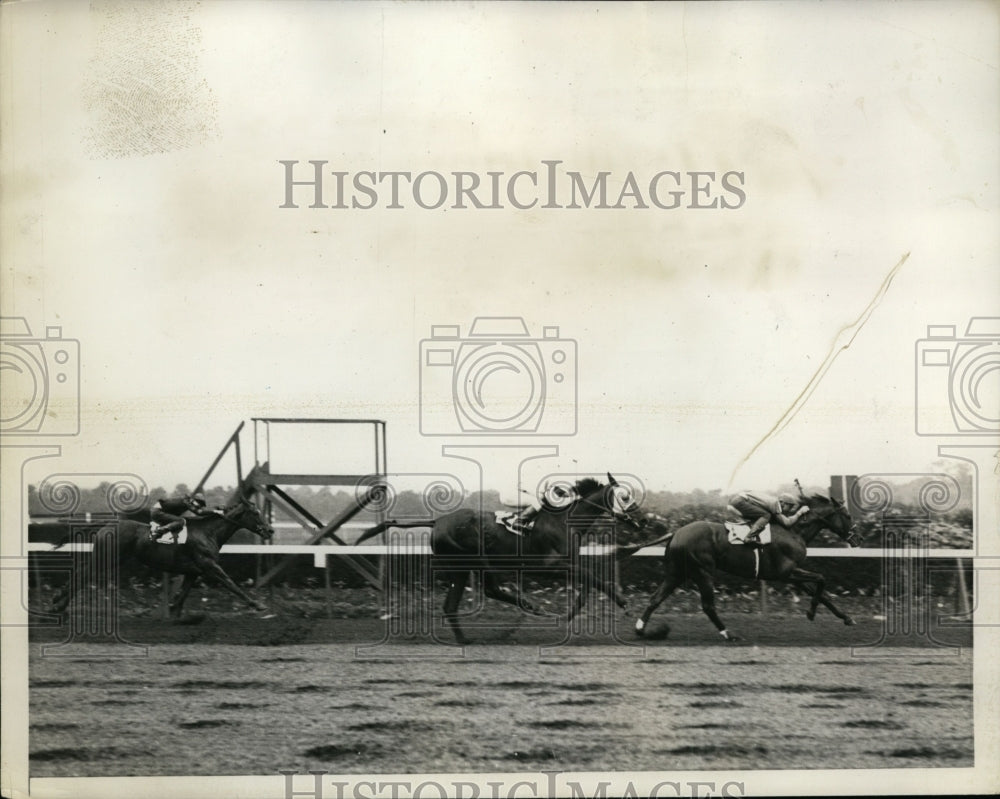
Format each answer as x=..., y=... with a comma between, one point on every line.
x=169, y=514
x=757, y=509
x=557, y=496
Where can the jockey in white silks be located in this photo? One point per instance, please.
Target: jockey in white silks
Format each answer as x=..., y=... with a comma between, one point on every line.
x=554, y=495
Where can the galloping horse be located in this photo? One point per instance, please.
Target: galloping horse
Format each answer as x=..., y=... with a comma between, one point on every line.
x=196, y=557
x=696, y=550
x=476, y=542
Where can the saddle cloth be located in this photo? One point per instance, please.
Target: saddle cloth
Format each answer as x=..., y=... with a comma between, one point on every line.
x=505, y=518
x=738, y=532
x=167, y=538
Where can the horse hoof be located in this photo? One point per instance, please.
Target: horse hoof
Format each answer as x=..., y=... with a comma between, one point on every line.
x=849, y=622
x=811, y=616
x=191, y=618
x=656, y=631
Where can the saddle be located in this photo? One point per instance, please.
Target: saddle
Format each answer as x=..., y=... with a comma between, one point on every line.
x=505, y=518
x=738, y=532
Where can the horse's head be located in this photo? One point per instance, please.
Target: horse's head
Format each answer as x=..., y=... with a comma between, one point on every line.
x=830, y=514
x=247, y=516
x=620, y=502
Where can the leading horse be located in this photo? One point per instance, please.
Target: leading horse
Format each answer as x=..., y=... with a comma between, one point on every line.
x=468, y=540
x=197, y=557
x=697, y=550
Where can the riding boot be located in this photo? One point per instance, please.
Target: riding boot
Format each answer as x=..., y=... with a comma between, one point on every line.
x=753, y=537
x=523, y=521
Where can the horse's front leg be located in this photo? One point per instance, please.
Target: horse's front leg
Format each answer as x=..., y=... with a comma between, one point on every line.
x=589, y=578
x=671, y=580
x=214, y=572
x=63, y=597
x=802, y=577
x=177, y=603
x=456, y=589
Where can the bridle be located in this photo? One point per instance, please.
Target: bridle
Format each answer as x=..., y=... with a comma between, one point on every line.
x=820, y=520
x=234, y=512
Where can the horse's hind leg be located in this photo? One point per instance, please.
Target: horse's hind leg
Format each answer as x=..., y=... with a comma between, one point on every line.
x=671, y=580
x=456, y=589
x=706, y=587
x=509, y=593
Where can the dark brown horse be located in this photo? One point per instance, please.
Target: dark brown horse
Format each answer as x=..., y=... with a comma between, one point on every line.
x=697, y=550
x=197, y=557
x=467, y=540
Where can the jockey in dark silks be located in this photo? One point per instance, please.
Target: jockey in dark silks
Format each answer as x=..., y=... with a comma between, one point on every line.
x=169, y=514
x=757, y=509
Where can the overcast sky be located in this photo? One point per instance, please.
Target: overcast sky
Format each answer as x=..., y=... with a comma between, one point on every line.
x=143, y=186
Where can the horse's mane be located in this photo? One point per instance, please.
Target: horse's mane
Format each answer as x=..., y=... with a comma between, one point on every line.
x=587, y=486
x=819, y=499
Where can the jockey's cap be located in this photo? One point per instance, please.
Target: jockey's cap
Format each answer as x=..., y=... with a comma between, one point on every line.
x=788, y=499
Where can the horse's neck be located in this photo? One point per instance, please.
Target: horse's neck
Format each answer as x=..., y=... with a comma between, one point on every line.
x=220, y=529
x=808, y=529
x=585, y=511
x=578, y=516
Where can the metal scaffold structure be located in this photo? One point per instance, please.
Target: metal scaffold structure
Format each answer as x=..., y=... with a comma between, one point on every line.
x=270, y=489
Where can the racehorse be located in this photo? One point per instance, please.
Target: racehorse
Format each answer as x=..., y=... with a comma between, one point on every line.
x=196, y=557
x=475, y=541
x=696, y=550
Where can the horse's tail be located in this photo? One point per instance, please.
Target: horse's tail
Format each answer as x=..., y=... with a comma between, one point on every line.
x=622, y=552
x=381, y=528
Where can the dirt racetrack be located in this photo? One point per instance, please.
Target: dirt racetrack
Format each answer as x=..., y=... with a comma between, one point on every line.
x=239, y=693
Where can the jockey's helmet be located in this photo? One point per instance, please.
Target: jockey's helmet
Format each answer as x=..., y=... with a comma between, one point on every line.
x=789, y=501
